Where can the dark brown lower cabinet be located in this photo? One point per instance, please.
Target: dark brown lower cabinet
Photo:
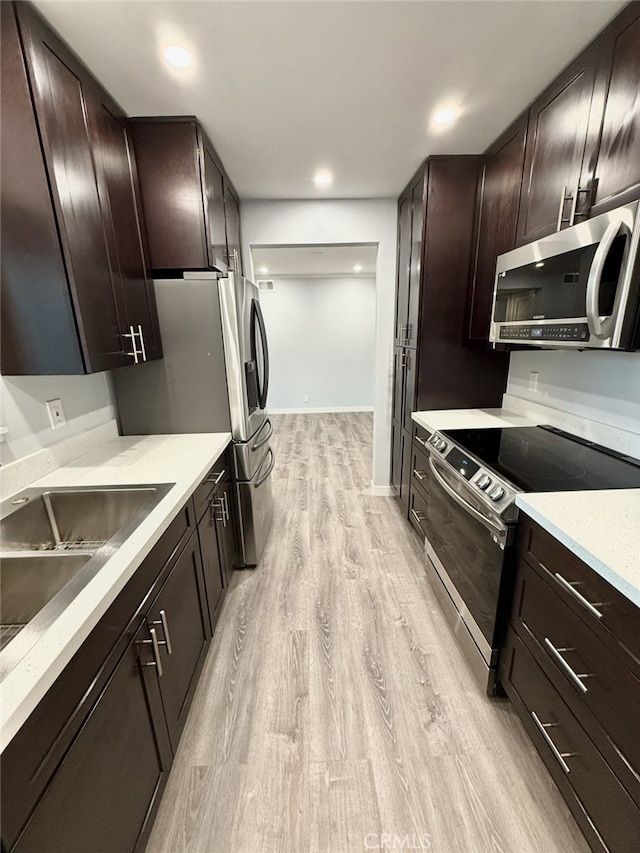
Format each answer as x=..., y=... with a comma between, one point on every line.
x=106, y=789
x=228, y=531
x=211, y=564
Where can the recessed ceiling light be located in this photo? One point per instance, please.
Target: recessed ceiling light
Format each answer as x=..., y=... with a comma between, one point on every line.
x=178, y=57
x=357, y=268
x=323, y=179
x=316, y=253
x=445, y=116
x=540, y=264
x=263, y=270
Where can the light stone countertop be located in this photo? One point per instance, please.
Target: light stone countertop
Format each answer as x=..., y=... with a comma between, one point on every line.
x=132, y=460
x=437, y=419
x=601, y=527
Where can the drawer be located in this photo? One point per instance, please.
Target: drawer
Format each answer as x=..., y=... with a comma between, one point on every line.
x=220, y=472
x=420, y=435
x=580, y=586
x=575, y=763
x=585, y=670
x=419, y=468
x=417, y=510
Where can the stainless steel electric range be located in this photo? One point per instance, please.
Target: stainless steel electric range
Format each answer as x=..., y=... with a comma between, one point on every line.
x=474, y=477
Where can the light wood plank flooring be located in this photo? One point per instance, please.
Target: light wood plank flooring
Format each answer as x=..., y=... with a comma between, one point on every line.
x=335, y=711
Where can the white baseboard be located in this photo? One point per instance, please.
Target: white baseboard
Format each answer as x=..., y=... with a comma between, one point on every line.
x=381, y=491
x=320, y=410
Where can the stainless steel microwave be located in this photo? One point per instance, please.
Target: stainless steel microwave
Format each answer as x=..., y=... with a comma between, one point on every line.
x=577, y=288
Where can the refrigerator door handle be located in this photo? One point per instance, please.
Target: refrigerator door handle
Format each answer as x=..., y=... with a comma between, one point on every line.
x=266, y=438
x=256, y=316
x=260, y=480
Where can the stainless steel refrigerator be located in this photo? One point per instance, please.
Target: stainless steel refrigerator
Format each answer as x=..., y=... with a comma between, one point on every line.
x=214, y=377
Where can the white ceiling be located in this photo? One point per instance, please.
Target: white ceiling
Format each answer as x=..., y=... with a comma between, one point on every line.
x=317, y=261
x=284, y=88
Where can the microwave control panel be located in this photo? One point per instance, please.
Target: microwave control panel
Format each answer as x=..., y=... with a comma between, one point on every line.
x=546, y=332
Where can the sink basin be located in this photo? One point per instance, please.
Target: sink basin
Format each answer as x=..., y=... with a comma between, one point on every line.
x=52, y=543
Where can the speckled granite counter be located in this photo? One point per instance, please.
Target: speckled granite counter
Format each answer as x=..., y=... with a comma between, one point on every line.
x=179, y=459
x=602, y=528
x=468, y=418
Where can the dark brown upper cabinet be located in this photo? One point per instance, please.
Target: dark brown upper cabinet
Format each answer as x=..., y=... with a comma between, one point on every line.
x=498, y=199
x=614, y=166
x=559, y=137
x=77, y=232
x=404, y=262
x=188, y=200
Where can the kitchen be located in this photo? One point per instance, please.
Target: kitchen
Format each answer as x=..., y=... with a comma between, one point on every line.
x=328, y=713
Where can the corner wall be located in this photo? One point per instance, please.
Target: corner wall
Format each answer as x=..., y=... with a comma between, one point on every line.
x=282, y=223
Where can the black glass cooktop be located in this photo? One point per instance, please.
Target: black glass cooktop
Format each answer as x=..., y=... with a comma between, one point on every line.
x=544, y=459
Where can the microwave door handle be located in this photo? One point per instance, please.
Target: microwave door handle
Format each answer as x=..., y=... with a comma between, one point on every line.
x=498, y=529
x=596, y=328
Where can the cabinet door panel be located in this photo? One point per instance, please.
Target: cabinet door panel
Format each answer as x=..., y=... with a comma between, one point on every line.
x=232, y=218
x=500, y=196
x=396, y=457
x=35, y=339
x=229, y=534
x=115, y=169
x=183, y=601
x=404, y=263
x=399, y=358
x=211, y=563
x=409, y=389
x=417, y=223
x=215, y=207
x=108, y=785
x=556, y=141
x=61, y=110
x=617, y=165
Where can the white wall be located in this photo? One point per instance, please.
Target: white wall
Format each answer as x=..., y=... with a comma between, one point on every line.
x=600, y=386
x=87, y=402
x=266, y=223
x=321, y=343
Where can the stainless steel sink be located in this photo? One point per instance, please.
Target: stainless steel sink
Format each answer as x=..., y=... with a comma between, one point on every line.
x=52, y=543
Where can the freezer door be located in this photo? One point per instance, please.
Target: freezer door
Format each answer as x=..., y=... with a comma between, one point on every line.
x=255, y=499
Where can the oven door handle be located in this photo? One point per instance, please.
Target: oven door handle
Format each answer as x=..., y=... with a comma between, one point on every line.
x=498, y=529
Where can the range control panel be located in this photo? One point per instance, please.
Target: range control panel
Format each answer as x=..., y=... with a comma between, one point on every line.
x=484, y=483
x=548, y=332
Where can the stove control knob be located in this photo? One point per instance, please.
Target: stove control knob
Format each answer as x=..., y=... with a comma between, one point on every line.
x=484, y=481
x=441, y=445
x=496, y=493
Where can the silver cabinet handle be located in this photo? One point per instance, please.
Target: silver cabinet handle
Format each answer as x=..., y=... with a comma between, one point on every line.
x=598, y=329
x=165, y=630
x=225, y=508
x=542, y=727
x=419, y=474
x=419, y=516
x=217, y=505
x=215, y=478
x=156, y=651
x=570, y=588
x=422, y=441
x=565, y=666
x=142, y=348
x=409, y=329
x=563, y=198
x=131, y=334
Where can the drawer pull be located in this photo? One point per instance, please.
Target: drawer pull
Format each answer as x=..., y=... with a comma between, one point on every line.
x=560, y=756
x=215, y=478
x=565, y=666
x=156, y=651
x=419, y=516
x=570, y=588
x=422, y=441
x=419, y=474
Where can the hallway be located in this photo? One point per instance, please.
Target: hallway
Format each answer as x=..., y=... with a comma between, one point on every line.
x=335, y=711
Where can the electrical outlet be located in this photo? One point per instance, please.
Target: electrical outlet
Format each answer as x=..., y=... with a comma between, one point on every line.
x=533, y=381
x=56, y=414
x=305, y=399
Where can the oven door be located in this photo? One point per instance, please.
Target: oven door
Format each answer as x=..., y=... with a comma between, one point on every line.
x=468, y=550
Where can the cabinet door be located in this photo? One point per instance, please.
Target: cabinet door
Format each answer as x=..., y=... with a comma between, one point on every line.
x=179, y=616
x=399, y=359
x=396, y=457
x=417, y=225
x=208, y=535
x=215, y=210
x=404, y=263
x=104, y=794
x=499, y=198
x=408, y=404
x=58, y=86
x=117, y=181
x=616, y=114
x=39, y=332
x=232, y=216
x=556, y=143
x=228, y=532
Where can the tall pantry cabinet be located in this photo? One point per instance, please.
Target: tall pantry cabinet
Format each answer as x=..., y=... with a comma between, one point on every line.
x=433, y=368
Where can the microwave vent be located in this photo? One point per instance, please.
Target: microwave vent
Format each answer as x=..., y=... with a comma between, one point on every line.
x=266, y=284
